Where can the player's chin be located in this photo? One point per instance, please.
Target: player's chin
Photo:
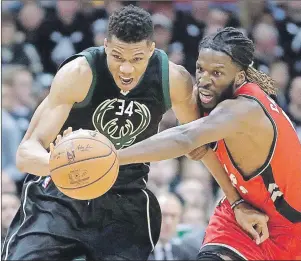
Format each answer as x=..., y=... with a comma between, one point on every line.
x=209, y=105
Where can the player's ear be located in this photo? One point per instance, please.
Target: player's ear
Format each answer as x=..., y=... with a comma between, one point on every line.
x=105, y=44
x=240, y=78
x=152, y=48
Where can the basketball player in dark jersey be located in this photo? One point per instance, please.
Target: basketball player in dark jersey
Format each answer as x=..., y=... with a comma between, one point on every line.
x=256, y=143
x=122, y=90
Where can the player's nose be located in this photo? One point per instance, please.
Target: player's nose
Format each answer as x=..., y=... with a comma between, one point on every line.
x=126, y=68
x=204, y=81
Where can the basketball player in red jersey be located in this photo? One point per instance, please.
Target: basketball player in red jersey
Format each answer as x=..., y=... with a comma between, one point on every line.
x=256, y=143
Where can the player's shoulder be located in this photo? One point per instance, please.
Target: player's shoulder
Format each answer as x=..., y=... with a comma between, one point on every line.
x=76, y=67
x=238, y=103
x=73, y=80
x=241, y=106
x=180, y=83
x=179, y=78
x=178, y=72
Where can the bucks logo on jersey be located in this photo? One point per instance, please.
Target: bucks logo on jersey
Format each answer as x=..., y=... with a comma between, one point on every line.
x=121, y=121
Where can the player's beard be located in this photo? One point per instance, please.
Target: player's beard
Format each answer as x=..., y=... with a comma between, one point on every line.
x=228, y=93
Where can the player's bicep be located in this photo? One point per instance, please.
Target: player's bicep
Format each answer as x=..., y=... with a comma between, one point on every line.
x=70, y=85
x=227, y=119
x=47, y=122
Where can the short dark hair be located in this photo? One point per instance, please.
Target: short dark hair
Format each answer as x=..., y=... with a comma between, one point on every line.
x=240, y=48
x=131, y=24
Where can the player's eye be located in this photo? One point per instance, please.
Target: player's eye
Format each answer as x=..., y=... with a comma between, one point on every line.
x=117, y=57
x=199, y=69
x=137, y=59
x=217, y=73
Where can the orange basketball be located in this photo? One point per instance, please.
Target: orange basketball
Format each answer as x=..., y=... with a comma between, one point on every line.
x=84, y=165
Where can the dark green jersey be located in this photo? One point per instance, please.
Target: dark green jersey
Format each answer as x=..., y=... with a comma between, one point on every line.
x=124, y=118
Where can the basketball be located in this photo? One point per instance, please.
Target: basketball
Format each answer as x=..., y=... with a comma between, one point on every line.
x=84, y=165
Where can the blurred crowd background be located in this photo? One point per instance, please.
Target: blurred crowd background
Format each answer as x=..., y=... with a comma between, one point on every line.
x=38, y=35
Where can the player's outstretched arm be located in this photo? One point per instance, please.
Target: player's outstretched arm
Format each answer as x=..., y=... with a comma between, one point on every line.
x=184, y=104
x=70, y=85
x=227, y=119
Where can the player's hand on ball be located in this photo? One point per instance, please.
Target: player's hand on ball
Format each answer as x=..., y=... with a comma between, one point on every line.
x=198, y=153
x=252, y=221
x=59, y=137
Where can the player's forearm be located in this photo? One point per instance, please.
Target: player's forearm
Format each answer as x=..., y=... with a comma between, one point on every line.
x=220, y=176
x=33, y=158
x=168, y=144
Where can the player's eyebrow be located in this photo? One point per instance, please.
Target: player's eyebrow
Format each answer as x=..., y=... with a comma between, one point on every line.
x=115, y=51
x=139, y=53
x=219, y=66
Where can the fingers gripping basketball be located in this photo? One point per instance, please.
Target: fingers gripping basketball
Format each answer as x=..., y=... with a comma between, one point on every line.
x=84, y=165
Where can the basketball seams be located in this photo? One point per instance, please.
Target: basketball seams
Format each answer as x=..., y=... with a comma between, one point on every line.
x=77, y=138
x=69, y=164
x=82, y=138
x=94, y=180
x=113, y=148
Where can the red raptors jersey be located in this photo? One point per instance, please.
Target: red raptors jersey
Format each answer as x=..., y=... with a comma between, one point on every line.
x=276, y=187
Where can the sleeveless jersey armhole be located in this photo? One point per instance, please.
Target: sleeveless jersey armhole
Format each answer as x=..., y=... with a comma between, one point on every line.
x=90, y=60
x=165, y=80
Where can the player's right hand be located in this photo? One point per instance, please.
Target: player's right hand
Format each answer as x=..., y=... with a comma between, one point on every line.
x=59, y=137
x=254, y=222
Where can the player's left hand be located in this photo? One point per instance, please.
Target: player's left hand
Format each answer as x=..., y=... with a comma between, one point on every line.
x=59, y=137
x=198, y=153
x=252, y=221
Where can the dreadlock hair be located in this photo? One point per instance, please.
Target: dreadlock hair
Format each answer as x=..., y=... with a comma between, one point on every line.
x=241, y=49
x=131, y=24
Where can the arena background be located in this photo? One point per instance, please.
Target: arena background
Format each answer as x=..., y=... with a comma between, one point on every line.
x=38, y=35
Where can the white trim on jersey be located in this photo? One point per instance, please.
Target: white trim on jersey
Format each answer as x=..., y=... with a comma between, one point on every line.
x=24, y=213
x=148, y=219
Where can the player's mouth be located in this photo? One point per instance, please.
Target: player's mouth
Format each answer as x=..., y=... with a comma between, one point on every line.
x=205, y=97
x=126, y=81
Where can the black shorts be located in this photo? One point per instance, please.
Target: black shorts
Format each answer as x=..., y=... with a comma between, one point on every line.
x=51, y=226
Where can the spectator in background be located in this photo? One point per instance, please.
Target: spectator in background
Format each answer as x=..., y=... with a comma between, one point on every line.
x=294, y=108
x=251, y=12
x=168, y=246
x=279, y=71
x=7, y=184
x=9, y=207
x=22, y=104
x=30, y=17
x=192, y=191
x=11, y=138
x=162, y=36
x=290, y=36
x=195, y=217
x=162, y=173
x=14, y=49
x=97, y=13
x=267, y=46
x=65, y=34
x=43, y=82
x=99, y=29
x=197, y=220
x=189, y=30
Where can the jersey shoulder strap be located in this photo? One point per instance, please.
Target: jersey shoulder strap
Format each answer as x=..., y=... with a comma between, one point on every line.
x=165, y=79
x=90, y=55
